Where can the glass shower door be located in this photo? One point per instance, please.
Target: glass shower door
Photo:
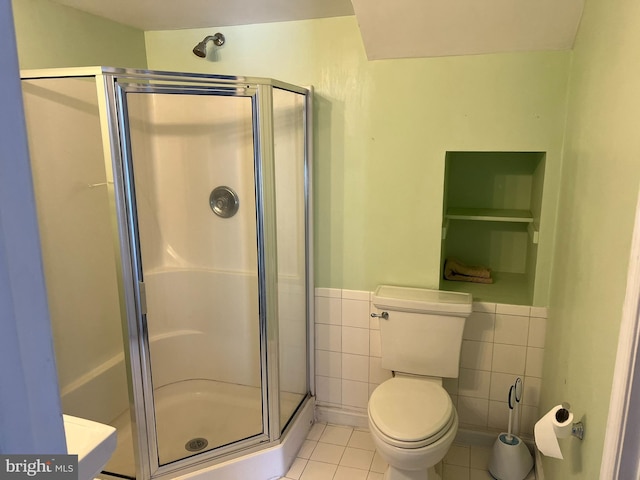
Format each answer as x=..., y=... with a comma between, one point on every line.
x=191, y=163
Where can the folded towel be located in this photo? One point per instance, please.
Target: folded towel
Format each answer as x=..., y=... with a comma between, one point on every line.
x=457, y=271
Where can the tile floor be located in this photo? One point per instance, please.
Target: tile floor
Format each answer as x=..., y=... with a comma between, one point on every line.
x=335, y=452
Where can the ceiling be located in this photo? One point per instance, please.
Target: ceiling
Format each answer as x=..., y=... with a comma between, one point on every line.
x=179, y=14
x=391, y=29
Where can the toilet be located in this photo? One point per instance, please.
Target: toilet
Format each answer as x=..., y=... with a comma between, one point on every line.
x=412, y=419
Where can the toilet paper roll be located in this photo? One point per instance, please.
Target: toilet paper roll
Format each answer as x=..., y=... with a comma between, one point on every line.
x=556, y=423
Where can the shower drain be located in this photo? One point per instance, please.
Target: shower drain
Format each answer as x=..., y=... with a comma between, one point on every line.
x=196, y=444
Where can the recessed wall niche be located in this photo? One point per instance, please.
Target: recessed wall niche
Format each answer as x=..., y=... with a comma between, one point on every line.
x=492, y=205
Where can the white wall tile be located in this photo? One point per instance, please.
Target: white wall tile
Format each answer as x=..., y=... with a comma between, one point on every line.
x=329, y=337
x=485, y=307
x=500, y=384
x=507, y=309
x=372, y=387
x=328, y=364
x=328, y=310
x=509, y=359
x=479, y=327
x=476, y=355
x=355, y=340
x=356, y=295
x=511, y=329
x=528, y=419
x=375, y=346
x=355, y=313
x=473, y=411
x=329, y=292
x=355, y=394
x=534, y=362
x=329, y=390
x=377, y=374
x=450, y=385
x=355, y=367
x=498, y=415
x=474, y=383
x=497, y=347
x=537, y=332
x=531, y=394
x=540, y=312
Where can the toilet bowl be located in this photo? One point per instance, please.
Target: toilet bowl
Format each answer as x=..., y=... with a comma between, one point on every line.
x=413, y=423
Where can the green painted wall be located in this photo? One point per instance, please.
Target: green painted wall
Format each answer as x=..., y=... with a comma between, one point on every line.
x=381, y=132
x=51, y=35
x=600, y=177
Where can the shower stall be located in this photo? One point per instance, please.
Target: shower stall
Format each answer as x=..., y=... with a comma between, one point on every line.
x=174, y=213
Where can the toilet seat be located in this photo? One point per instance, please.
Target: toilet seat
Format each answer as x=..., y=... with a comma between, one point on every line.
x=410, y=412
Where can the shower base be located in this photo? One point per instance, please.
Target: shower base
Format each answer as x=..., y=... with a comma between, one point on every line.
x=218, y=412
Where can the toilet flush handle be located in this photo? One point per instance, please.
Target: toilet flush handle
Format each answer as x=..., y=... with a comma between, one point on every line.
x=384, y=315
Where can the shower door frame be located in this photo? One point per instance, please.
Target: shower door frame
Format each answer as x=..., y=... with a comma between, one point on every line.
x=132, y=302
x=260, y=93
x=265, y=216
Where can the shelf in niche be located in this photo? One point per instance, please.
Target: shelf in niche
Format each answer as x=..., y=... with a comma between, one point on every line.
x=511, y=288
x=489, y=215
x=492, y=215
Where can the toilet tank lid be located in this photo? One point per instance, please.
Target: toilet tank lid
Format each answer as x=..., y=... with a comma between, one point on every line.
x=408, y=299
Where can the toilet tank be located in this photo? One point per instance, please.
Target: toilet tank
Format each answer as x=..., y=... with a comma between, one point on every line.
x=422, y=334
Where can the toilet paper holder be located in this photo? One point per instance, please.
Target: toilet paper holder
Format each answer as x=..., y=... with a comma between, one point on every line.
x=577, y=428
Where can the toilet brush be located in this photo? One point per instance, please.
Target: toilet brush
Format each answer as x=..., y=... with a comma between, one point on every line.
x=511, y=459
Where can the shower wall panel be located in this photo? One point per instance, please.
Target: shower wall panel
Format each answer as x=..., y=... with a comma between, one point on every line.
x=195, y=262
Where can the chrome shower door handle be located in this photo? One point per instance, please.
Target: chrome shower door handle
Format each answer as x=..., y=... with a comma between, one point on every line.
x=384, y=315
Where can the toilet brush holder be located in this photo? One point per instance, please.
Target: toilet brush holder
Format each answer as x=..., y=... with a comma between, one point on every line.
x=510, y=459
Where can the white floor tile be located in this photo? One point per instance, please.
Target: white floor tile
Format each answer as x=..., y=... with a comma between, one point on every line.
x=357, y=458
x=345, y=453
x=476, y=474
x=328, y=453
x=479, y=457
x=348, y=473
x=361, y=439
x=336, y=435
x=378, y=464
x=296, y=468
x=454, y=472
x=457, y=455
x=316, y=431
x=318, y=471
x=307, y=448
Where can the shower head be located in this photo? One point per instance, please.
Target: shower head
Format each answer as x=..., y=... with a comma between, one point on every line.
x=200, y=49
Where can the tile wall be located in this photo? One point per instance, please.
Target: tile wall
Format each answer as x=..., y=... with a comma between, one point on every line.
x=501, y=342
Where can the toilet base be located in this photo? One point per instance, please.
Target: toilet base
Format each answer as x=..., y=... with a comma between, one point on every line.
x=393, y=473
